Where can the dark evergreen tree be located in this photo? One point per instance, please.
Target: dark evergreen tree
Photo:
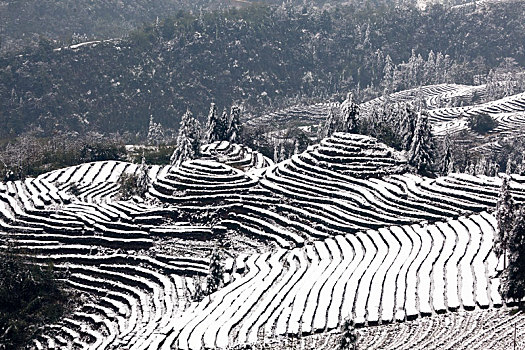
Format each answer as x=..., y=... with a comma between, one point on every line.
x=211, y=125
x=421, y=153
x=407, y=121
x=222, y=126
x=505, y=218
x=216, y=272
x=513, y=279
x=349, y=115
x=330, y=124
x=143, y=179
x=447, y=162
x=234, y=127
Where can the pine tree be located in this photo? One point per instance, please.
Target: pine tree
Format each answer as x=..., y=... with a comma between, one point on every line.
x=330, y=124
x=234, y=125
x=447, y=163
x=188, y=140
x=222, y=126
x=155, y=133
x=521, y=168
x=388, y=76
x=429, y=69
x=349, y=115
x=482, y=166
x=407, y=119
x=505, y=219
x=216, y=272
x=421, y=153
x=151, y=130
x=211, y=125
x=320, y=131
x=282, y=151
x=143, y=178
x=509, y=166
x=412, y=67
x=513, y=279
x=195, y=134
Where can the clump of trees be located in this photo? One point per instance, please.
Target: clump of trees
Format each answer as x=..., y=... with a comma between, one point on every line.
x=343, y=119
x=513, y=279
x=31, y=297
x=509, y=243
x=155, y=133
x=32, y=153
x=458, y=153
x=391, y=123
x=222, y=127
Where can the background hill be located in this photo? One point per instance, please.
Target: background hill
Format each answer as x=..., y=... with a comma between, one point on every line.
x=259, y=56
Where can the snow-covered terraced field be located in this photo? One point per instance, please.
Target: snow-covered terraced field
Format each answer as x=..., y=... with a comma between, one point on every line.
x=393, y=274
x=201, y=180
x=510, y=122
x=480, y=329
x=445, y=120
x=296, y=114
x=234, y=155
x=432, y=94
x=508, y=111
x=342, y=230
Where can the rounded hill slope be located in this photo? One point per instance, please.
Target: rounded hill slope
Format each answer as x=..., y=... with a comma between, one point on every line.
x=355, y=155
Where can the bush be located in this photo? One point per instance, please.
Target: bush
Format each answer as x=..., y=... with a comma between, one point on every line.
x=482, y=123
x=128, y=186
x=349, y=336
x=30, y=298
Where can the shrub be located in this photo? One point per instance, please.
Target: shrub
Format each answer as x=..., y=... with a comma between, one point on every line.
x=349, y=336
x=216, y=272
x=128, y=185
x=482, y=123
x=30, y=298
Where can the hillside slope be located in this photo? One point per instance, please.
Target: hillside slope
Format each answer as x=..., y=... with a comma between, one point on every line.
x=308, y=242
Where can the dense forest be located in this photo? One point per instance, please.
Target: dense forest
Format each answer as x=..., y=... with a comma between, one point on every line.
x=259, y=57
x=23, y=23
